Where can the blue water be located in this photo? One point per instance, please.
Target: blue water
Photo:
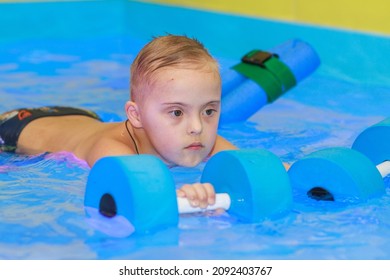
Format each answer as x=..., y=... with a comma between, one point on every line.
x=41, y=197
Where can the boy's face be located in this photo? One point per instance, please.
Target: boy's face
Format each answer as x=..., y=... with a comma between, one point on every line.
x=180, y=115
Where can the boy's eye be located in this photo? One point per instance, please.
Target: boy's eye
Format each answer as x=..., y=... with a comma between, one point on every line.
x=209, y=112
x=176, y=113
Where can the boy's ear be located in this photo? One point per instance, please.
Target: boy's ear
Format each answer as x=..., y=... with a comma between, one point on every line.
x=132, y=112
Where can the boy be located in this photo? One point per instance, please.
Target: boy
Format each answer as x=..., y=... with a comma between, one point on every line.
x=173, y=113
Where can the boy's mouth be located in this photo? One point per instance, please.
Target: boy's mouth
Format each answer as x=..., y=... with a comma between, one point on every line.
x=195, y=146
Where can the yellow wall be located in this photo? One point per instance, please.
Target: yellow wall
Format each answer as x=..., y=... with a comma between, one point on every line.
x=28, y=1
x=363, y=15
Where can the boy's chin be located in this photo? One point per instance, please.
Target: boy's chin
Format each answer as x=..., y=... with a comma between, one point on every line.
x=184, y=162
x=189, y=163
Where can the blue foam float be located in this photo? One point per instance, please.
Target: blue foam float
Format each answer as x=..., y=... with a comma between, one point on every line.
x=136, y=193
x=337, y=174
x=256, y=181
x=374, y=142
x=133, y=187
x=242, y=97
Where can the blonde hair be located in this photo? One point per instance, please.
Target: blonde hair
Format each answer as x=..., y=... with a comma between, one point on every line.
x=167, y=51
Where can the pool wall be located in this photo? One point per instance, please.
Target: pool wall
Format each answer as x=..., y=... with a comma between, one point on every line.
x=368, y=16
x=226, y=35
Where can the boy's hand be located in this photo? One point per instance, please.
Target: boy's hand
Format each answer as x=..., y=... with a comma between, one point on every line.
x=198, y=194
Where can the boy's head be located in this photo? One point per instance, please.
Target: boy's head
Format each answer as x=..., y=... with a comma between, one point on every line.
x=175, y=99
x=170, y=51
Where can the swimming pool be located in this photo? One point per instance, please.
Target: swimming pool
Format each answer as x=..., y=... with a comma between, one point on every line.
x=84, y=61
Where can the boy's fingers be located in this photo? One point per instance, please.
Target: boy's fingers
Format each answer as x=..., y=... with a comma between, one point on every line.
x=191, y=194
x=206, y=194
x=210, y=192
x=180, y=193
x=201, y=195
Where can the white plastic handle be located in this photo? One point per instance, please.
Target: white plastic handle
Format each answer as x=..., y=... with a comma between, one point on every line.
x=222, y=200
x=384, y=168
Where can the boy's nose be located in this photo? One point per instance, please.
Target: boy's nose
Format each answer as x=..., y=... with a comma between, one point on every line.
x=195, y=126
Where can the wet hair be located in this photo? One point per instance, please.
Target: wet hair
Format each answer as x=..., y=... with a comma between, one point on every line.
x=169, y=51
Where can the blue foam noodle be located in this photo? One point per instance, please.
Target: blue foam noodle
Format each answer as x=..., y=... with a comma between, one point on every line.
x=230, y=80
x=299, y=56
x=242, y=102
x=241, y=97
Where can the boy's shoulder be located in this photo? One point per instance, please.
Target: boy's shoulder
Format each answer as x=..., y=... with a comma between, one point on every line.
x=107, y=146
x=221, y=144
